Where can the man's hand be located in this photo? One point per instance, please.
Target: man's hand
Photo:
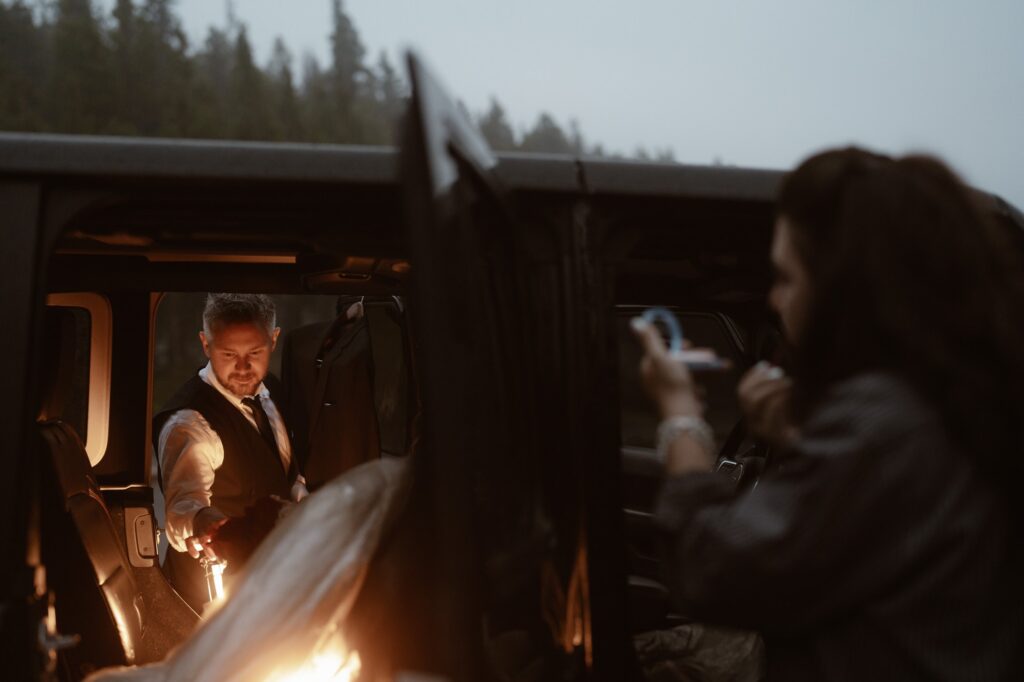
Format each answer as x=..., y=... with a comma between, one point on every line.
x=286, y=506
x=764, y=398
x=206, y=522
x=668, y=381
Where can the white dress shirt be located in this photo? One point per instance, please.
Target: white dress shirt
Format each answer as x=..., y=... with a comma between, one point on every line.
x=190, y=453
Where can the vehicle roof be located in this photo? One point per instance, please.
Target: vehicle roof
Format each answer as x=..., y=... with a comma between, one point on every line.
x=87, y=156
x=97, y=157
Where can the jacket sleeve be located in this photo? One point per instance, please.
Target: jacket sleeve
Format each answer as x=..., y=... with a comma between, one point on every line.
x=849, y=513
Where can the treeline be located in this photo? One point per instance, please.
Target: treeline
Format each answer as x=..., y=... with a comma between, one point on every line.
x=65, y=67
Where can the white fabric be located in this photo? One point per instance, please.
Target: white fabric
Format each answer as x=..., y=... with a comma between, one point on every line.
x=190, y=452
x=296, y=590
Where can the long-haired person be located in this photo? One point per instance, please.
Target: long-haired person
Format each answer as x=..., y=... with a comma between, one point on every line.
x=887, y=543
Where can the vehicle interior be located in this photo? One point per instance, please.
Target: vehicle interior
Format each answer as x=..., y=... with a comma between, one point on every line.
x=718, y=293
x=118, y=292
x=131, y=260
x=708, y=261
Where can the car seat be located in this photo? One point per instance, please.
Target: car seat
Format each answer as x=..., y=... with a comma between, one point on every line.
x=97, y=590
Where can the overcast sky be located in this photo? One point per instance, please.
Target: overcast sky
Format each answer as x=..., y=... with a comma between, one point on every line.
x=749, y=82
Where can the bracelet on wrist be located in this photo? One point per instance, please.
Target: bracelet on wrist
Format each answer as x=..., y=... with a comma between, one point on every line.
x=672, y=428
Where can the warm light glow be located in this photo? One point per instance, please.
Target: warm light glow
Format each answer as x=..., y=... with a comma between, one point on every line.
x=217, y=570
x=327, y=666
x=214, y=569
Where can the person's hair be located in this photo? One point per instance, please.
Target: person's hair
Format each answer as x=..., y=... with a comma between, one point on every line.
x=910, y=274
x=223, y=309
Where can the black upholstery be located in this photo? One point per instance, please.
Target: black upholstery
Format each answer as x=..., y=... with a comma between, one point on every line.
x=87, y=568
x=123, y=614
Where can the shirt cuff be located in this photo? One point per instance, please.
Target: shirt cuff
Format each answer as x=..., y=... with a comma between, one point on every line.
x=181, y=523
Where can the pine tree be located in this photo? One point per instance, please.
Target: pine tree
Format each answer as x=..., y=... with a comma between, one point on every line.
x=546, y=136
x=23, y=67
x=128, y=75
x=160, y=15
x=249, y=109
x=320, y=118
x=347, y=52
x=286, y=105
x=172, y=70
x=348, y=74
x=79, y=98
x=391, y=90
x=211, y=97
x=496, y=129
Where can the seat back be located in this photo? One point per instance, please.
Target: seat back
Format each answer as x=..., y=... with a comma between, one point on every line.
x=87, y=569
x=96, y=593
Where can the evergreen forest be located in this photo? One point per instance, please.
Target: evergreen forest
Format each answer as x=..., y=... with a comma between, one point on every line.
x=68, y=67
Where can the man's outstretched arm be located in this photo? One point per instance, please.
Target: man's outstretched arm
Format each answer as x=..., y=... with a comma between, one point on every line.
x=190, y=453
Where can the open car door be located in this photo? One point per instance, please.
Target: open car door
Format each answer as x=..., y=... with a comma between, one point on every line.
x=497, y=520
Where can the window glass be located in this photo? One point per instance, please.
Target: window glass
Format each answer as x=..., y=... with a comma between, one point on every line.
x=66, y=383
x=75, y=370
x=639, y=419
x=305, y=321
x=178, y=353
x=76, y=411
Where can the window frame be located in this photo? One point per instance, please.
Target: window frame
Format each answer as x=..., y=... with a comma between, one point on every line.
x=100, y=360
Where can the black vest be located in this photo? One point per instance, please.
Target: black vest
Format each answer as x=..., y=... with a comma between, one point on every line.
x=251, y=470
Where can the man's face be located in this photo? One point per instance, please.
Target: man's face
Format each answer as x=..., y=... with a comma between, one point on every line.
x=791, y=291
x=239, y=355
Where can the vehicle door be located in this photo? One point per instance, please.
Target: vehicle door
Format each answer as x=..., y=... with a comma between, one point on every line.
x=500, y=483
x=703, y=255
x=19, y=305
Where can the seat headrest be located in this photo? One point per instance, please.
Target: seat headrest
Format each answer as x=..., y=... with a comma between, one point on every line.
x=70, y=461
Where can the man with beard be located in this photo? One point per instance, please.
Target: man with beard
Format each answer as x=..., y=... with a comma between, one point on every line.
x=221, y=442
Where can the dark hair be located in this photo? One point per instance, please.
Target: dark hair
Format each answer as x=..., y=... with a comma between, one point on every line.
x=224, y=309
x=910, y=275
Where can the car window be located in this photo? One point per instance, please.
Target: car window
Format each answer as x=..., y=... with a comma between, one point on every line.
x=68, y=396
x=638, y=418
x=77, y=371
x=178, y=354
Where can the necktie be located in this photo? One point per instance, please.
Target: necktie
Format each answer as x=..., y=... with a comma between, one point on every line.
x=263, y=424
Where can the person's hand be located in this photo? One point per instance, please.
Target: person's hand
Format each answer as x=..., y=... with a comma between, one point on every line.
x=764, y=399
x=206, y=522
x=354, y=311
x=285, y=506
x=668, y=382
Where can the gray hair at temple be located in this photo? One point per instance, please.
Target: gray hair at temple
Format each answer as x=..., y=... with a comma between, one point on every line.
x=222, y=309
